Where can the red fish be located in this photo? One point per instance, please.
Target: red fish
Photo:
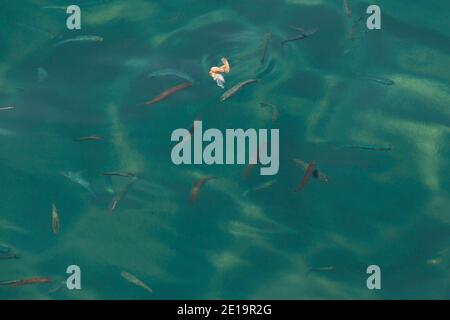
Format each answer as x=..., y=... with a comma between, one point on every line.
x=18, y=283
x=309, y=171
x=89, y=138
x=198, y=186
x=169, y=92
x=248, y=168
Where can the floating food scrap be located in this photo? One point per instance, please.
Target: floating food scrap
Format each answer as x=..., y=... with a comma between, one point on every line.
x=233, y=90
x=198, y=186
x=303, y=34
x=216, y=72
x=121, y=195
x=275, y=112
x=316, y=173
x=308, y=173
x=169, y=92
x=170, y=72
x=87, y=38
x=23, y=282
x=55, y=219
x=89, y=138
x=7, y=108
x=134, y=280
x=266, y=41
x=368, y=147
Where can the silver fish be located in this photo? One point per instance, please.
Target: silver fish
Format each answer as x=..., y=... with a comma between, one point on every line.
x=170, y=72
x=42, y=74
x=76, y=177
x=87, y=38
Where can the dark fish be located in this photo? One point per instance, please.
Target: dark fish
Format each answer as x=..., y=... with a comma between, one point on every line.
x=89, y=138
x=232, y=91
x=321, y=269
x=198, y=186
x=121, y=195
x=169, y=92
x=275, y=112
x=304, y=34
x=119, y=174
x=368, y=147
x=308, y=173
x=8, y=256
x=268, y=69
x=380, y=80
x=18, y=283
x=266, y=41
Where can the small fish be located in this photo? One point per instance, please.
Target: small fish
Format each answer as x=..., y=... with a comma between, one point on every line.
x=304, y=34
x=198, y=186
x=266, y=41
x=7, y=108
x=254, y=161
x=275, y=112
x=368, y=147
x=380, y=80
x=347, y=9
x=8, y=256
x=87, y=38
x=352, y=30
x=169, y=92
x=308, y=173
x=320, y=269
x=434, y=261
x=119, y=174
x=134, y=280
x=76, y=177
x=42, y=75
x=170, y=72
x=232, y=91
x=18, y=283
x=121, y=195
x=6, y=132
x=316, y=173
x=89, y=138
x=55, y=219
x=262, y=186
x=4, y=249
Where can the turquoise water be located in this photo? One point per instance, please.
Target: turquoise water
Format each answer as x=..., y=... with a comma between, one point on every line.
x=389, y=208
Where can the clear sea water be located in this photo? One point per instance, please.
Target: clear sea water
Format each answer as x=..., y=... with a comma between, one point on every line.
x=389, y=208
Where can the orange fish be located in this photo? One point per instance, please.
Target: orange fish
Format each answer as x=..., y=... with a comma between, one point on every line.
x=169, y=92
x=198, y=186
